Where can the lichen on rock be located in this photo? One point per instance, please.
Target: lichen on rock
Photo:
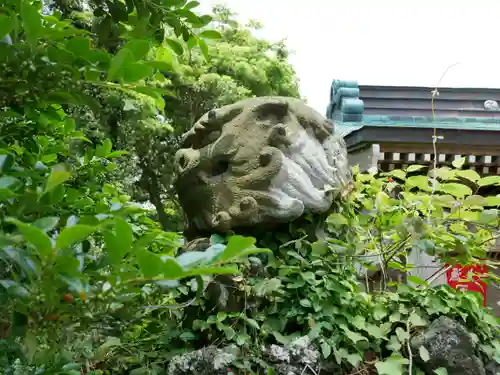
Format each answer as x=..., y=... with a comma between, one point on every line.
x=293, y=359
x=299, y=357
x=450, y=346
x=210, y=360
x=260, y=160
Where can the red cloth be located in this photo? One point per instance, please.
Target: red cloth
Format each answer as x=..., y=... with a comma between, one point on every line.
x=468, y=278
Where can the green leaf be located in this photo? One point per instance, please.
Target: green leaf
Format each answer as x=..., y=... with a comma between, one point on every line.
x=104, y=149
x=46, y=223
x=155, y=93
x=14, y=288
x=398, y=173
x=106, y=348
x=73, y=235
x=395, y=265
x=172, y=270
x=6, y=194
x=353, y=336
x=192, y=42
x=150, y=263
x=441, y=371
x=235, y=246
x=208, y=271
x=421, y=182
x=326, y=349
x=125, y=233
x=138, y=47
x=354, y=359
x=380, y=312
x=394, y=344
x=80, y=46
x=210, y=34
x=319, y=248
x=459, y=163
x=455, y=189
x=31, y=21
x=165, y=60
x=191, y=5
x=204, y=48
x=7, y=182
x=359, y=322
x=113, y=247
x=267, y=287
x=72, y=366
x=5, y=162
x=118, y=244
x=416, y=320
x=393, y=365
x=402, y=334
x=305, y=303
x=58, y=175
x=417, y=280
x=140, y=371
x=489, y=180
x=469, y=174
x=137, y=71
x=424, y=354
x=229, y=332
x=375, y=331
x=188, y=336
x=252, y=322
x=175, y=46
x=118, y=63
x=488, y=216
x=35, y=237
x=7, y=24
x=337, y=219
x=493, y=201
x=248, y=252
x=414, y=168
x=475, y=200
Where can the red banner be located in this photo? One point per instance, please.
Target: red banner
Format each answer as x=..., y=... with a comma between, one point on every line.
x=468, y=278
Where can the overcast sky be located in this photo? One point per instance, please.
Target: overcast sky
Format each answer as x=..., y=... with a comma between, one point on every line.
x=385, y=42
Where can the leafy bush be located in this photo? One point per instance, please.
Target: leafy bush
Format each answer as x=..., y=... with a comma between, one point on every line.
x=320, y=287
x=91, y=283
x=74, y=250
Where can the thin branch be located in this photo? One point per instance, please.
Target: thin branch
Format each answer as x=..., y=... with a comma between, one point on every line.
x=408, y=345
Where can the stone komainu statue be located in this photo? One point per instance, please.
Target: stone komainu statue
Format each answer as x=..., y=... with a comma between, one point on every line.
x=258, y=161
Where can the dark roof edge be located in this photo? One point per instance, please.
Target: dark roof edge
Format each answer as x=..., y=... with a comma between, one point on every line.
x=454, y=88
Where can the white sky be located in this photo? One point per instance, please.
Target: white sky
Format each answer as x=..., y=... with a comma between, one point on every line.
x=385, y=42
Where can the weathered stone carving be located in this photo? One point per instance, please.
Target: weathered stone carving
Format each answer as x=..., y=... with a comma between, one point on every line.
x=261, y=160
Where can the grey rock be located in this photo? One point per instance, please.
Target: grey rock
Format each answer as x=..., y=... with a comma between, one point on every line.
x=299, y=357
x=449, y=346
x=492, y=368
x=206, y=361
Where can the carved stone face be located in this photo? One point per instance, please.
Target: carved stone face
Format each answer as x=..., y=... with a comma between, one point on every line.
x=262, y=160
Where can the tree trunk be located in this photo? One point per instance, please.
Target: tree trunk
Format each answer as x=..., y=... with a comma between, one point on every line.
x=150, y=183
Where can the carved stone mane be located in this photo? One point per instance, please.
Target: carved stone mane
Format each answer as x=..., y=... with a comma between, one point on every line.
x=261, y=160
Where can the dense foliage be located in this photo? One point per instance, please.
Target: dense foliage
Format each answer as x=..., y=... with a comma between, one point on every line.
x=320, y=287
x=74, y=248
x=236, y=66
x=94, y=96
